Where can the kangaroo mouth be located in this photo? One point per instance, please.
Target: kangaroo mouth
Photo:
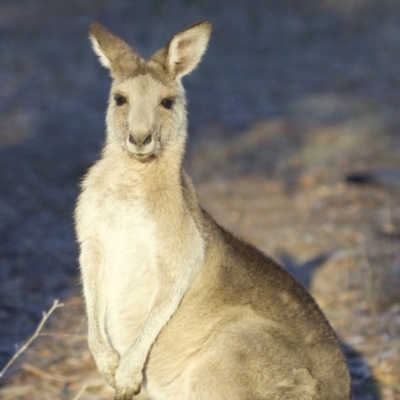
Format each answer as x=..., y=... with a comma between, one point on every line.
x=143, y=157
x=141, y=154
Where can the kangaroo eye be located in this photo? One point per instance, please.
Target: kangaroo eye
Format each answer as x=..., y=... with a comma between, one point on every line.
x=119, y=100
x=167, y=103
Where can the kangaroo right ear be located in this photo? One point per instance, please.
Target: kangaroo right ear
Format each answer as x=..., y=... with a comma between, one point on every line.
x=113, y=52
x=185, y=50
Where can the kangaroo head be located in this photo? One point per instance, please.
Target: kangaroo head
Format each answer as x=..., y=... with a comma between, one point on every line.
x=147, y=107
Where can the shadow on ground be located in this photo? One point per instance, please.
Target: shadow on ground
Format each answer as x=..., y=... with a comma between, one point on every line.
x=363, y=382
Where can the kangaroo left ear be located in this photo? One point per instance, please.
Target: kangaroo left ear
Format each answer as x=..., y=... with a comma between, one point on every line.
x=113, y=52
x=185, y=50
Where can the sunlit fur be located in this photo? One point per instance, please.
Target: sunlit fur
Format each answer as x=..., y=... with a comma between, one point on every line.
x=175, y=302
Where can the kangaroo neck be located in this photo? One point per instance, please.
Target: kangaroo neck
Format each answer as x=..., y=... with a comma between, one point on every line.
x=157, y=181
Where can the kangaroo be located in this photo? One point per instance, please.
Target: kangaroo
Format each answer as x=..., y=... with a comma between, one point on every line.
x=174, y=301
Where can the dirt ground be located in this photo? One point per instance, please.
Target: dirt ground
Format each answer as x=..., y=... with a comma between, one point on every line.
x=291, y=98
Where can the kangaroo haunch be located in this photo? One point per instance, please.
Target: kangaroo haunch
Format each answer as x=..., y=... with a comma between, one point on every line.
x=175, y=302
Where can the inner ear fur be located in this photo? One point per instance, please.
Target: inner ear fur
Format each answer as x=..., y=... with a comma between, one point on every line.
x=185, y=50
x=114, y=53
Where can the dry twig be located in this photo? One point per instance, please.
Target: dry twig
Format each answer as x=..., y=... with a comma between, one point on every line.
x=79, y=394
x=46, y=315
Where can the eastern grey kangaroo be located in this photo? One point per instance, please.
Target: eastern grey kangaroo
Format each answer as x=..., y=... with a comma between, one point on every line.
x=175, y=302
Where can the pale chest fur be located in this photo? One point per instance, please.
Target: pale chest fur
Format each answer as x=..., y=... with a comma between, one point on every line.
x=130, y=271
x=126, y=235
x=146, y=246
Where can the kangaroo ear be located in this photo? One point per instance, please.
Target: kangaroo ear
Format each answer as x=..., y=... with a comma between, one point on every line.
x=113, y=52
x=184, y=51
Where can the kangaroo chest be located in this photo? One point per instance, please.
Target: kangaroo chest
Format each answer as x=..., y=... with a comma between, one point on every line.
x=130, y=248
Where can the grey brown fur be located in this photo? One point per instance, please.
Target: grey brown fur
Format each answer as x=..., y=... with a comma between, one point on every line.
x=175, y=302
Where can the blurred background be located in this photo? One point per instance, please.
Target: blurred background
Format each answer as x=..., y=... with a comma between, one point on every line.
x=294, y=145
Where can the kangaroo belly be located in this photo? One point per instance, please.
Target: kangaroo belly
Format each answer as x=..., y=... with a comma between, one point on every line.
x=130, y=277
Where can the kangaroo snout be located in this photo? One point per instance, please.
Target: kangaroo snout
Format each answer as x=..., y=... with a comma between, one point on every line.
x=141, y=139
x=140, y=143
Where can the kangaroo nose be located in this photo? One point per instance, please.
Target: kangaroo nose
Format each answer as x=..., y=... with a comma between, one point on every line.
x=148, y=139
x=140, y=140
